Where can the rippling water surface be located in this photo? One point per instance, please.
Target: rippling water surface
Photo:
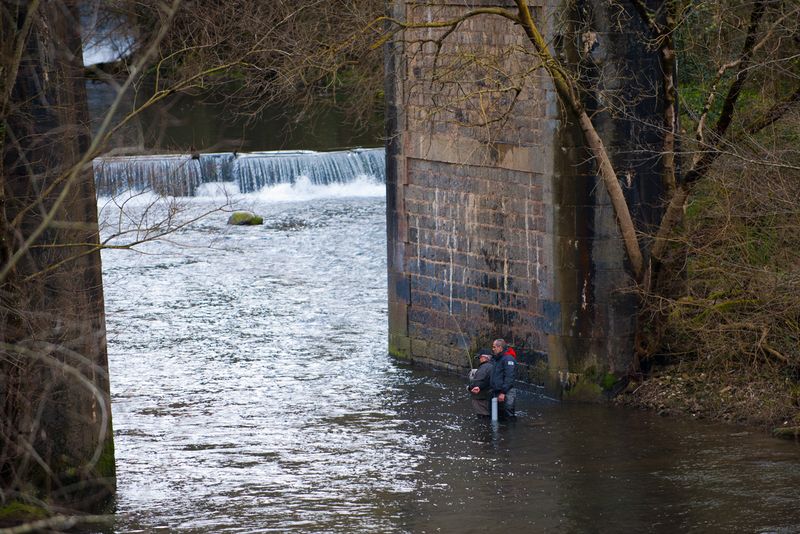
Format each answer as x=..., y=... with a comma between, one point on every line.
x=252, y=392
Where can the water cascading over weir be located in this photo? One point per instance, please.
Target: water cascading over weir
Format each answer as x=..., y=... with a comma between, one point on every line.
x=181, y=175
x=498, y=225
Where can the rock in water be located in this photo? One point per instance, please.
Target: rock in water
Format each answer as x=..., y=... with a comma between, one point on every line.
x=245, y=218
x=790, y=432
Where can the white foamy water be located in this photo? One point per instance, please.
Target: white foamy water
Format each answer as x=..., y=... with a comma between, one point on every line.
x=146, y=216
x=303, y=190
x=218, y=190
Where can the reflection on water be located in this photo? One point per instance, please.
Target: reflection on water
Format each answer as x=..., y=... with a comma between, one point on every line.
x=252, y=392
x=184, y=123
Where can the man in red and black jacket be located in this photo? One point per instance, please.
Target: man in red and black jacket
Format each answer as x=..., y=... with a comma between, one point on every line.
x=504, y=372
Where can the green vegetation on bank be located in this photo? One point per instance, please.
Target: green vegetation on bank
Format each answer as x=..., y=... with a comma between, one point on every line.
x=731, y=327
x=727, y=319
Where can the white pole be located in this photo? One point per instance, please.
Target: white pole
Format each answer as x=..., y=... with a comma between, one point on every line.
x=494, y=408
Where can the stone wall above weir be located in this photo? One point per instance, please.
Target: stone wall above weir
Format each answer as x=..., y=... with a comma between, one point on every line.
x=497, y=224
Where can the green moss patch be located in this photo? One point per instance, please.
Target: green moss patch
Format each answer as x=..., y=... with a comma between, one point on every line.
x=787, y=432
x=584, y=391
x=106, y=466
x=608, y=381
x=245, y=218
x=16, y=511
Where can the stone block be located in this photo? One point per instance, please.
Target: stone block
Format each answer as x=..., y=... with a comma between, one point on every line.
x=608, y=253
x=399, y=346
x=564, y=220
x=399, y=288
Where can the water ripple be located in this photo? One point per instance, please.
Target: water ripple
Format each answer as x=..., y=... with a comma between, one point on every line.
x=252, y=392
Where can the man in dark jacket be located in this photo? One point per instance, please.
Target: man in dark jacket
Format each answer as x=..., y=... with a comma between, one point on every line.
x=479, y=384
x=502, y=381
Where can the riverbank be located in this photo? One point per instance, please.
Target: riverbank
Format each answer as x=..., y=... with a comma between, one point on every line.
x=756, y=397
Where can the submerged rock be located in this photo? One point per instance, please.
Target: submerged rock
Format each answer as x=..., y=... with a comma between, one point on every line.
x=787, y=432
x=244, y=218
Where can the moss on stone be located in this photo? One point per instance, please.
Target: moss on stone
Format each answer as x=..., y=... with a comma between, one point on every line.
x=608, y=381
x=590, y=373
x=245, y=218
x=400, y=346
x=584, y=391
x=538, y=373
x=787, y=432
x=589, y=386
x=106, y=465
x=16, y=511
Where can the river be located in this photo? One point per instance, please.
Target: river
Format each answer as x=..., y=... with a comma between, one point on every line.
x=252, y=392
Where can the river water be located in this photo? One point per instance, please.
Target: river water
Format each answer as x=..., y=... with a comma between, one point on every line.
x=252, y=392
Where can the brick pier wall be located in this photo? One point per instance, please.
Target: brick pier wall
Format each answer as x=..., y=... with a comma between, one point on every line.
x=56, y=448
x=497, y=226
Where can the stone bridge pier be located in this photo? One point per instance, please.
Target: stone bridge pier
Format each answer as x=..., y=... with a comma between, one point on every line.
x=498, y=225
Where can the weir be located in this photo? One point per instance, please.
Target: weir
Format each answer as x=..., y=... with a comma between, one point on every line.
x=180, y=175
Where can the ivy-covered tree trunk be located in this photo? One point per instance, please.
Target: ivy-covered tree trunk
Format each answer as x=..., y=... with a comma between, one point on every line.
x=56, y=447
